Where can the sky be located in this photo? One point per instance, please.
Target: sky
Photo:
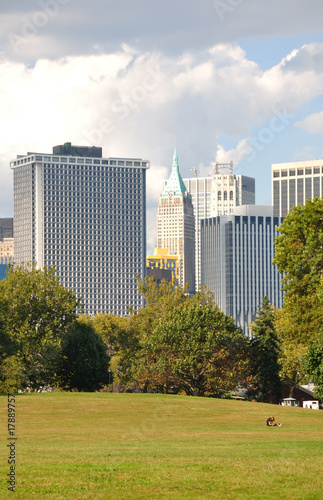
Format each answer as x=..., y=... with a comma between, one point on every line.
x=226, y=80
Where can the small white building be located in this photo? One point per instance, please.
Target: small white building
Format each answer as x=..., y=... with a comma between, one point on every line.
x=289, y=402
x=313, y=405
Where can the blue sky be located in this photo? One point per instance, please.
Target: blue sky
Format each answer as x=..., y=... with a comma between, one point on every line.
x=236, y=80
x=268, y=52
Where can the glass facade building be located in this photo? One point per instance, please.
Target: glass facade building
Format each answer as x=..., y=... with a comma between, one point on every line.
x=237, y=252
x=213, y=196
x=87, y=217
x=6, y=228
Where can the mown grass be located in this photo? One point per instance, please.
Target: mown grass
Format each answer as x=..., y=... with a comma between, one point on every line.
x=142, y=446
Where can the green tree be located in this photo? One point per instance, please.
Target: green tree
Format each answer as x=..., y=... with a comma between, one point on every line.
x=38, y=312
x=299, y=255
x=160, y=299
x=265, y=348
x=292, y=350
x=122, y=344
x=12, y=374
x=125, y=337
x=83, y=363
x=313, y=364
x=197, y=348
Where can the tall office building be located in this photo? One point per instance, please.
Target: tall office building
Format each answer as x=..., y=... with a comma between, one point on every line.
x=175, y=225
x=6, y=244
x=213, y=196
x=237, y=252
x=6, y=228
x=7, y=248
x=295, y=182
x=85, y=215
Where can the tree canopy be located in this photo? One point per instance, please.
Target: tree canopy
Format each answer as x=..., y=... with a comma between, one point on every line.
x=195, y=348
x=299, y=248
x=38, y=309
x=265, y=350
x=36, y=312
x=83, y=361
x=313, y=364
x=299, y=255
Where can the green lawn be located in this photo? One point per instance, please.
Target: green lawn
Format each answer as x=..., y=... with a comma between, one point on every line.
x=143, y=446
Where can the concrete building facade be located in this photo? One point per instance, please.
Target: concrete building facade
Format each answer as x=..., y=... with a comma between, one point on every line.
x=176, y=225
x=295, y=182
x=213, y=196
x=7, y=247
x=87, y=217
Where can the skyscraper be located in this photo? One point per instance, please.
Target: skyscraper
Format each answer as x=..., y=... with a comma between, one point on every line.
x=87, y=217
x=295, y=182
x=6, y=228
x=175, y=225
x=213, y=196
x=237, y=252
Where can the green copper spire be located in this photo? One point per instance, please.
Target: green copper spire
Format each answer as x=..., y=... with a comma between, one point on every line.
x=175, y=184
x=175, y=158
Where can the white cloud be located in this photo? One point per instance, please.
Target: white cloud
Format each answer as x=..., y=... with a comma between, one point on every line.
x=135, y=103
x=235, y=155
x=306, y=153
x=55, y=28
x=313, y=124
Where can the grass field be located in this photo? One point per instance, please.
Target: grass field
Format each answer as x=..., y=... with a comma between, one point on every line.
x=143, y=446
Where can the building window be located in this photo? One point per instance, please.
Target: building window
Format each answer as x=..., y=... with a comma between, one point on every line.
x=308, y=189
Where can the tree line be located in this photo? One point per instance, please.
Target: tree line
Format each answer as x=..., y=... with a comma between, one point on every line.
x=176, y=343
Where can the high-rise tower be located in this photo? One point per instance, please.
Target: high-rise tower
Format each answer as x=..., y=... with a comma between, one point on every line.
x=237, y=253
x=295, y=182
x=85, y=215
x=217, y=195
x=175, y=224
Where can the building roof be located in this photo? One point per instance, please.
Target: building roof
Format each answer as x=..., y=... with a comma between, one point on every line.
x=175, y=183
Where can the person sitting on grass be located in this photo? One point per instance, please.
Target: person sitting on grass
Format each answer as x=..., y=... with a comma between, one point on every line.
x=271, y=422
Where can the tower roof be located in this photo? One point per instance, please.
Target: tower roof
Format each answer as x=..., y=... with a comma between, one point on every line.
x=175, y=182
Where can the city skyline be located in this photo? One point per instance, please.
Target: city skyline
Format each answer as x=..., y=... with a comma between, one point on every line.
x=228, y=81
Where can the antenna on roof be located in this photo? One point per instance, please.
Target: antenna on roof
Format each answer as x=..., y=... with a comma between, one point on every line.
x=225, y=166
